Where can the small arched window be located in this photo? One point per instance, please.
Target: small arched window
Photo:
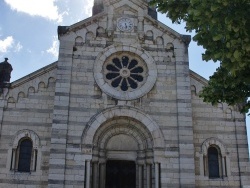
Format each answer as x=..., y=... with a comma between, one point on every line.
x=25, y=153
x=215, y=159
x=213, y=163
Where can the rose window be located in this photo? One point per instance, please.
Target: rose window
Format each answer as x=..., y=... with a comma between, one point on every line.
x=125, y=73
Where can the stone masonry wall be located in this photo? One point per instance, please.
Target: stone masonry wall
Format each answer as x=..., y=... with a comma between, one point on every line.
x=169, y=109
x=225, y=127
x=28, y=112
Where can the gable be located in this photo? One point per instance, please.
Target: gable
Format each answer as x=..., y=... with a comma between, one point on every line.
x=197, y=82
x=32, y=83
x=107, y=21
x=126, y=10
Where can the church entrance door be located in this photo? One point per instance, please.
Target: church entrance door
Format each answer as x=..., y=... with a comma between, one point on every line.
x=120, y=174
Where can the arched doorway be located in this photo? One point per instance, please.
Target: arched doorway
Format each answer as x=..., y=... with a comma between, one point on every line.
x=127, y=135
x=122, y=149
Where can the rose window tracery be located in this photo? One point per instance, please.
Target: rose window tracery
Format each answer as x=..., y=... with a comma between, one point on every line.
x=125, y=73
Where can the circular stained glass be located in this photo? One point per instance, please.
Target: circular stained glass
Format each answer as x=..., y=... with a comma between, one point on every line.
x=125, y=72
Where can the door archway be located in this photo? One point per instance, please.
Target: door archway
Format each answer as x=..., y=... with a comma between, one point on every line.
x=122, y=134
x=124, y=141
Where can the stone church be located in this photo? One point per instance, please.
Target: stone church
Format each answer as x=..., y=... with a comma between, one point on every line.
x=119, y=109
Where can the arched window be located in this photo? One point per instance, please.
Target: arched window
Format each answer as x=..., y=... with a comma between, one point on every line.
x=25, y=150
x=214, y=159
x=25, y=153
x=213, y=162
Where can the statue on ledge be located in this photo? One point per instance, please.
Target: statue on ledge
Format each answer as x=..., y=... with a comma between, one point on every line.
x=5, y=74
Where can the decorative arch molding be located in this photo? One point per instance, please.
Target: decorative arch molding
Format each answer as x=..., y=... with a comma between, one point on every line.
x=41, y=85
x=51, y=81
x=151, y=128
x=14, y=151
x=159, y=40
x=224, y=158
x=26, y=134
x=31, y=90
x=89, y=36
x=193, y=90
x=16, y=95
x=11, y=100
x=216, y=142
x=123, y=126
x=149, y=35
x=122, y=133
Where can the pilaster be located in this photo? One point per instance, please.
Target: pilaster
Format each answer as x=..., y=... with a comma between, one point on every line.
x=242, y=149
x=57, y=163
x=184, y=119
x=3, y=104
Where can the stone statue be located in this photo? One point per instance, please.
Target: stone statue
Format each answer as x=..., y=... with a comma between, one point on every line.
x=5, y=73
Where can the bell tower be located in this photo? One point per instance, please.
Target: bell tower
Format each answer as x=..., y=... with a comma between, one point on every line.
x=99, y=7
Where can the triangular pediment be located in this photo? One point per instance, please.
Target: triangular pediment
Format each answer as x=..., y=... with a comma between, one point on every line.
x=126, y=10
x=107, y=20
x=103, y=17
x=132, y=3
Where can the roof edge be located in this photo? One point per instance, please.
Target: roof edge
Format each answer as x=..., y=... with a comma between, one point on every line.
x=63, y=30
x=33, y=75
x=198, y=77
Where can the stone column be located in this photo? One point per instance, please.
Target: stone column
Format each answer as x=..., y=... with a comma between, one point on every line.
x=34, y=160
x=140, y=27
x=110, y=21
x=201, y=157
x=13, y=160
x=87, y=174
x=205, y=159
x=95, y=175
x=102, y=175
x=148, y=168
x=157, y=175
x=223, y=161
x=140, y=178
x=228, y=164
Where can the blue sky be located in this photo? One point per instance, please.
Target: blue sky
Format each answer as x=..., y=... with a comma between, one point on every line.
x=28, y=34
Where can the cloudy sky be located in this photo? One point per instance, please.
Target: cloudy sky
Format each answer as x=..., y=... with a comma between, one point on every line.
x=28, y=34
x=28, y=30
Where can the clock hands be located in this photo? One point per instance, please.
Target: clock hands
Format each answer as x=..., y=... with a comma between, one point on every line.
x=125, y=24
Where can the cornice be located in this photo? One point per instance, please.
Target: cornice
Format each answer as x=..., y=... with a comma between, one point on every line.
x=34, y=75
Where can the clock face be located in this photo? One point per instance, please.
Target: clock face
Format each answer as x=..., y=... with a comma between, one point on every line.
x=125, y=24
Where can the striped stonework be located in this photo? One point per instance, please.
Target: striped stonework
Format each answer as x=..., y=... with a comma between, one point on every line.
x=145, y=117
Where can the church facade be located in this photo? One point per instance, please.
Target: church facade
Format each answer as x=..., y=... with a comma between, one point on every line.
x=119, y=109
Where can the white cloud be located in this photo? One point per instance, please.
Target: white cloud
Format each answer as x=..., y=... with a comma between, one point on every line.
x=6, y=44
x=88, y=7
x=54, y=48
x=18, y=47
x=43, y=8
